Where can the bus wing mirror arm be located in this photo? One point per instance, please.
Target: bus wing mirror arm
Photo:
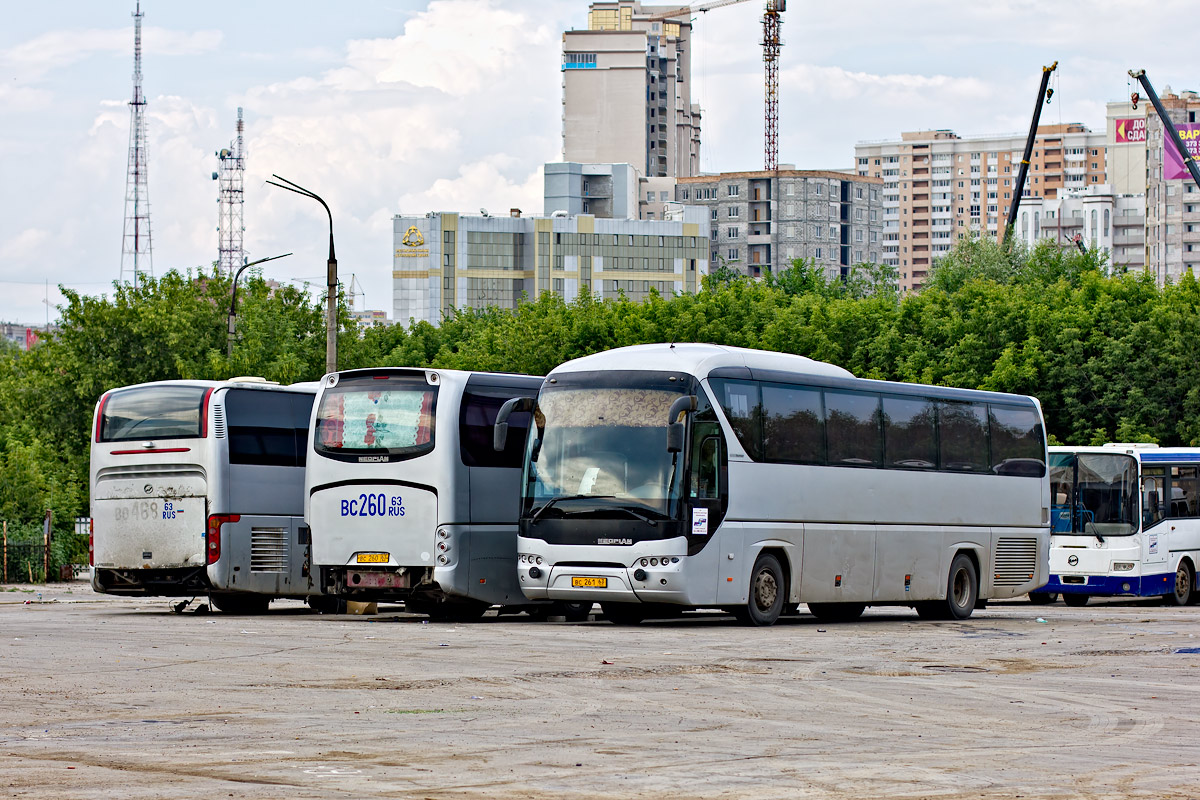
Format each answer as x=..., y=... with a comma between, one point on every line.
x=675, y=428
x=500, y=431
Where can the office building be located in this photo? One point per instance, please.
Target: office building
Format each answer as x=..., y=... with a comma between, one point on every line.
x=765, y=220
x=445, y=261
x=627, y=90
x=939, y=187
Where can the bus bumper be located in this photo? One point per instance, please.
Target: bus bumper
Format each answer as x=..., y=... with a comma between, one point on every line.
x=1112, y=585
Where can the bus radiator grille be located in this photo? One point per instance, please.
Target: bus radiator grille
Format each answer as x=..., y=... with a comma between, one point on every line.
x=1016, y=561
x=268, y=550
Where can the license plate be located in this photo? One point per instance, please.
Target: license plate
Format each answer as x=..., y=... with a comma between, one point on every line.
x=590, y=583
x=373, y=558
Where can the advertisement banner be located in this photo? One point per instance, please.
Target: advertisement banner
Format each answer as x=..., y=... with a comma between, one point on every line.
x=1130, y=129
x=1173, y=167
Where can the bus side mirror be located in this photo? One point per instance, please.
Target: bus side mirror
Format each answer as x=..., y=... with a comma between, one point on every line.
x=500, y=430
x=675, y=428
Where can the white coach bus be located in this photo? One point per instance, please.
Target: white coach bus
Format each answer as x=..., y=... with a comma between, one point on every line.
x=405, y=495
x=197, y=487
x=1125, y=522
x=667, y=476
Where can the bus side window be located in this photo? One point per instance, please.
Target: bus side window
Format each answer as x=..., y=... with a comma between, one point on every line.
x=1153, y=507
x=1184, y=484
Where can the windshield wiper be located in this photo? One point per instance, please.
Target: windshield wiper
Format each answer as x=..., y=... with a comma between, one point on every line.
x=632, y=513
x=537, y=514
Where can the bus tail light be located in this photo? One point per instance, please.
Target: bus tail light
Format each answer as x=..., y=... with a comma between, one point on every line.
x=92, y=542
x=212, y=541
x=100, y=416
x=204, y=419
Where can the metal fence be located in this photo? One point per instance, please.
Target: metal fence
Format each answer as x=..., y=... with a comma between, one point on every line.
x=28, y=562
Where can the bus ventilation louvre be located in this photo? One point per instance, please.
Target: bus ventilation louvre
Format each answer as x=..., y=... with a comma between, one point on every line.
x=268, y=550
x=219, y=420
x=1016, y=561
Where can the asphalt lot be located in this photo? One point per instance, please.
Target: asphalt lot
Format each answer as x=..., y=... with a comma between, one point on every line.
x=109, y=697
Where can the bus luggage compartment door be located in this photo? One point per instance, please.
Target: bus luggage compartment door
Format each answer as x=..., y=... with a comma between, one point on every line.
x=149, y=533
x=264, y=554
x=373, y=526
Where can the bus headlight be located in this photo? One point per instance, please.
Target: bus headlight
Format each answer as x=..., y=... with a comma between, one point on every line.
x=1122, y=566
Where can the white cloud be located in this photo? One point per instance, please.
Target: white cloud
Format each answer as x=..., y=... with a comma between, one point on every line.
x=25, y=245
x=60, y=49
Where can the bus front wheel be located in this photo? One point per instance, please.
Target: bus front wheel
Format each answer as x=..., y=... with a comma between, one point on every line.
x=1185, y=586
x=962, y=591
x=767, y=593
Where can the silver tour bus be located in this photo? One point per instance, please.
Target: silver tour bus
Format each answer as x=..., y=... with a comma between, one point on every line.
x=406, y=497
x=197, y=487
x=662, y=477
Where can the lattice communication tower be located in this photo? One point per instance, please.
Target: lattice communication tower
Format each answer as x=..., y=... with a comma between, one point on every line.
x=136, y=253
x=770, y=44
x=230, y=177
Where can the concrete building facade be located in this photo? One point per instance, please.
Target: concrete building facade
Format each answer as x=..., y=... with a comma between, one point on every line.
x=1100, y=217
x=447, y=261
x=939, y=187
x=1172, y=199
x=601, y=190
x=764, y=220
x=627, y=90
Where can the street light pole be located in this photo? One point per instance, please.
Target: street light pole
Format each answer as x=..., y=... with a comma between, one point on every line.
x=233, y=299
x=331, y=277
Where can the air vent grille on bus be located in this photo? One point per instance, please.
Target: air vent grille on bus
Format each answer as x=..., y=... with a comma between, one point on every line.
x=1016, y=561
x=268, y=550
x=219, y=420
x=157, y=471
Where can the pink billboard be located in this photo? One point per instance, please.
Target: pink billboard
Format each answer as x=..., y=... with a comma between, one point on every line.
x=1131, y=129
x=1173, y=167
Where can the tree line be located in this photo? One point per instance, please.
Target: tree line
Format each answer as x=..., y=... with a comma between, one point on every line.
x=1110, y=355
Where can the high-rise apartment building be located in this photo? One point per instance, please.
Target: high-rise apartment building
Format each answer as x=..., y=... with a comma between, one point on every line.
x=627, y=89
x=765, y=220
x=445, y=261
x=1172, y=198
x=1112, y=222
x=939, y=187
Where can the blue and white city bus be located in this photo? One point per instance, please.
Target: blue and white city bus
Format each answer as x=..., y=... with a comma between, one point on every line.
x=1126, y=523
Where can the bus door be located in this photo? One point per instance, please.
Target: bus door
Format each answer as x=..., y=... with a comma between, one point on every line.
x=1155, y=510
x=708, y=478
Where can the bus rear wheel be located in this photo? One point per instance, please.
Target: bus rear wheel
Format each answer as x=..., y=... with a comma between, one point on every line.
x=768, y=592
x=1076, y=600
x=242, y=603
x=962, y=592
x=836, y=612
x=1185, y=586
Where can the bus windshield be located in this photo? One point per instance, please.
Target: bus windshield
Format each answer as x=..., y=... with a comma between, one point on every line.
x=1094, y=493
x=388, y=415
x=153, y=412
x=600, y=449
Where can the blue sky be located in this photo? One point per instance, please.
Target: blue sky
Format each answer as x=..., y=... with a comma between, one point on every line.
x=409, y=106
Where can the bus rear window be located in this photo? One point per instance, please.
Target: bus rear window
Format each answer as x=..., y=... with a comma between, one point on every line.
x=155, y=412
x=369, y=417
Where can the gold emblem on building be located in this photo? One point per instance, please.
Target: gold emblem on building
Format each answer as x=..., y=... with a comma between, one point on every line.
x=413, y=237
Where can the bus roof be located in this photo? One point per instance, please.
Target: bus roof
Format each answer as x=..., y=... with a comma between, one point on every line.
x=1146, y=453
x=698, y=359
x=241, y=383
x=703, y=360
x=464, y=374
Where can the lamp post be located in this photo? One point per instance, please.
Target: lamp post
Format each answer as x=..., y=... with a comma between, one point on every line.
x=233, y=299
x=331, y=277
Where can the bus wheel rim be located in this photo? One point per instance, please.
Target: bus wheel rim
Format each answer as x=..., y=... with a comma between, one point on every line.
x=1182, y=582
x=765, y=590
x=961, y=588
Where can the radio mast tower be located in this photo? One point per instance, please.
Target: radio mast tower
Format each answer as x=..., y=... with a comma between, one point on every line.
x=136, y=255
x=231, y=225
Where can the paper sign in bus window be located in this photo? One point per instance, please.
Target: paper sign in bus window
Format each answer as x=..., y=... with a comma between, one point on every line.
x=699, y=521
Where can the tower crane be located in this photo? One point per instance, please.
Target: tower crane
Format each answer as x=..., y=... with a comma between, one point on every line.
x=770, y=44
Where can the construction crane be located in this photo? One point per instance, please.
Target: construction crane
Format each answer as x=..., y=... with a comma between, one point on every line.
x=1043, y=96
x=698, y=8
x=770, y=45
x=1188, y=160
